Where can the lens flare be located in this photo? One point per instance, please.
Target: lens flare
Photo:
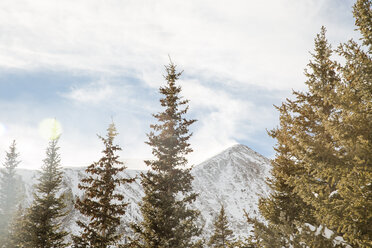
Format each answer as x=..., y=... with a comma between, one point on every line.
x=50, y=129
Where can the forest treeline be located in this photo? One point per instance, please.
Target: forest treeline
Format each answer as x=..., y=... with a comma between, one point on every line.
x=321, y=175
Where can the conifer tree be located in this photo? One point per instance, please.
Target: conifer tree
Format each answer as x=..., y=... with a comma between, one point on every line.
x=19, y=236
x=43, y=219
x=102, y=204
x=300, y=121
x=347, y=208
x=336, y=152
x=323, y=161
x=9, y=191
x=223, y=235
x=168, y=219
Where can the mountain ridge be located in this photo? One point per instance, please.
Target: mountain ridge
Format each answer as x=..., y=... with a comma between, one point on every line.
x=234, y=178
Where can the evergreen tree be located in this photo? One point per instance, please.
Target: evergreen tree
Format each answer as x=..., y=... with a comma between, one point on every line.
x=168, y=219
x=301, y=122
x=103, y=205
x=9, y=191
x=347, y=209
x=222, y=236
x=43, y=219
x=19, y=237
x=323, y=164
x=336, y=152
x=362, y=11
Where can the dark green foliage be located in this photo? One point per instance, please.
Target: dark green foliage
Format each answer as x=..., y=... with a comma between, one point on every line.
x=9, y=191
x=102, y=204
x=222, y=236
x=42, y=220
x=168, y=219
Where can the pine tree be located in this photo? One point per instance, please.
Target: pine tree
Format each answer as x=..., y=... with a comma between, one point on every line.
x=168, y=219
x=323, y=162
x=347, y=209
x=222, y=236
x=43, y=219
x=363, y=20
x=9, y=191
x=336, y=151
x=103, y=205
x=19, y=237
x=301, y=133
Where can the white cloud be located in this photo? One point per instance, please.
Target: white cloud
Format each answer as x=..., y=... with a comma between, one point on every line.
x=94, y=93
x=223, y=118
x=22, y=121
x=249, y=42
x=79, y=144
x=220, y=45
x=31, y=154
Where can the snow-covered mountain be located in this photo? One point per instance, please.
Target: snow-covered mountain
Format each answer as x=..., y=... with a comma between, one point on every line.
x=234, y=178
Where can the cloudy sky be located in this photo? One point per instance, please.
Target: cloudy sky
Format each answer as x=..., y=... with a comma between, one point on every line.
x=84, y=62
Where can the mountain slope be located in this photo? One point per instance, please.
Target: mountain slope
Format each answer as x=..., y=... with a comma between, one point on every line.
x=234, y=178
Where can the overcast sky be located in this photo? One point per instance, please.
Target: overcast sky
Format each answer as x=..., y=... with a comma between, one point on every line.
x=85, y=61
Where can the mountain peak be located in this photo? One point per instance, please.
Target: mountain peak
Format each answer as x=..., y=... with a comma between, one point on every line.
x=238, y=148
x=235, y=175
x=237, y=154
x=234, y=178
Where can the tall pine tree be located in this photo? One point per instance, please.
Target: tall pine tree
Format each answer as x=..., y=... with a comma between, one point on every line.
x=43, y=219
x=223, y=235
x=19, y=236
x=323, y=162
x=9, y=191
x=168, y=219
x=347, y=208
x=102, y=203
x=336, y=150
x=301, y=122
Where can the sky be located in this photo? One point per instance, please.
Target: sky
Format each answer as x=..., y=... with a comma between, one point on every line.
x=88, y=62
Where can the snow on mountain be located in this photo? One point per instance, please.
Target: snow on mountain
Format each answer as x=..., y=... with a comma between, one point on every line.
x=234, y=178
